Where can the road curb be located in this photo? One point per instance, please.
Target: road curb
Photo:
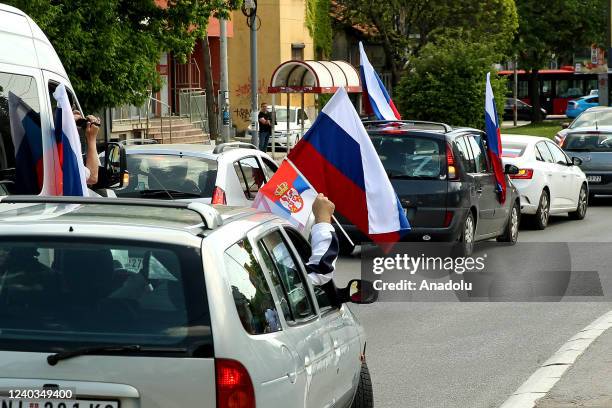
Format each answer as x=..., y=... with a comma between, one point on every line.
x=551, y=371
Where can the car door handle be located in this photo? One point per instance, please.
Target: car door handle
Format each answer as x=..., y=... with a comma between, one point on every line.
x=335, y=344
x=479, y=190
x=306, y=361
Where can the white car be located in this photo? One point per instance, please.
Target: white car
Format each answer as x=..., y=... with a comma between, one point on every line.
x=123, y=303
x=228, y=173
x=548, y=181
x=593, y=119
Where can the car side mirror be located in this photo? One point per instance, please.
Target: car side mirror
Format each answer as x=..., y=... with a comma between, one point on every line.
x=511, y=169
x=565, y=125
x=576, y=161
x=361, y=292
x=115, y=165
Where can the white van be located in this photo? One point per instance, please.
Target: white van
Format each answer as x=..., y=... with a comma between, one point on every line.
x=30, y=70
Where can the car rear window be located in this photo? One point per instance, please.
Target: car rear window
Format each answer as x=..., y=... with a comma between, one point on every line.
x=60, y=295
x=588, y=142
x=513, y=149
x=589, y=119
x=192, y=176
x=410, y=156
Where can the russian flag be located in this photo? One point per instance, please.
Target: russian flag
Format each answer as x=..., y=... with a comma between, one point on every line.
x=337, y=157
x=378, y=100
x=288, y=195
x=494, y=145
x=27, y=140
x=68, y=145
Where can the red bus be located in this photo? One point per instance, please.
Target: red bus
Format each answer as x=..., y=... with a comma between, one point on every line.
x=557, y=87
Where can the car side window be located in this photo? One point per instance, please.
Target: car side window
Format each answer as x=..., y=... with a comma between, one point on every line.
x=544, y=152
x=465, y=154
x=304, y=250
x=479, y=155
x=269, y=167
x=287, y=276
x=558, y=155
x=538, y=154
x=251, y=293
x=250, y=174
x=20, y=121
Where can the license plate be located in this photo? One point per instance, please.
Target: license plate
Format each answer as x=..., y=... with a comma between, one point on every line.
x=56, y=403
x=594, y=179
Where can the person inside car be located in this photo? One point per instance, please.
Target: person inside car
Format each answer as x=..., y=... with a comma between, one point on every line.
x=92, y=162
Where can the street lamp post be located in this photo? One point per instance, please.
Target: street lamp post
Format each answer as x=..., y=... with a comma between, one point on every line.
x=250, y=10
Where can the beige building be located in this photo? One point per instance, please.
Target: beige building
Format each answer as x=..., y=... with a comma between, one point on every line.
x=282, y=36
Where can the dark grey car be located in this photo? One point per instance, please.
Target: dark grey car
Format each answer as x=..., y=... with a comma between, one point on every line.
x=445, y=184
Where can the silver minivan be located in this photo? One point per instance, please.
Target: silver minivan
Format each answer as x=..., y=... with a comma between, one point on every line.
x=120, y=303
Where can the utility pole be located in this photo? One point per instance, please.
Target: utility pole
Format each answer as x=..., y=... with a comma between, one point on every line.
x=602, y=78
x=224, y=107
x=515, y=86
x=250, y=10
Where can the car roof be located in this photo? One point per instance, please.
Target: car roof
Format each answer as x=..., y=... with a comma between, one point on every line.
x=192, y=150
x=23, y=43
x=522, y=138
x=194, y=218
x=598, y=108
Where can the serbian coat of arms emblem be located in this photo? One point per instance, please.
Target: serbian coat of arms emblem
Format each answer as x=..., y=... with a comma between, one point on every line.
x=289, y=197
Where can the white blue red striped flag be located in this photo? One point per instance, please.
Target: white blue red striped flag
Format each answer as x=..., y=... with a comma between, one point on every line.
x=378, y=98
x=494, y=145
x=338, y=159
x=68, y=144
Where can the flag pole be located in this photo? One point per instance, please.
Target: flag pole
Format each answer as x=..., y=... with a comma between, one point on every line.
x=311, y=186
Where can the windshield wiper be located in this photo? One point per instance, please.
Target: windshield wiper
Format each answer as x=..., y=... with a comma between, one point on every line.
x=53, y=359
x=169, y=193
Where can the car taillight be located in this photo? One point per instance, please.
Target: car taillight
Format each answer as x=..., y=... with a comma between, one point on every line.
x=234, y=386
x=523, y=174
x=448, y=217
x=218, y=196
x=450, y=163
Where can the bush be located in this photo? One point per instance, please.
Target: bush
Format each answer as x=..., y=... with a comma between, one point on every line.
x=446, y=83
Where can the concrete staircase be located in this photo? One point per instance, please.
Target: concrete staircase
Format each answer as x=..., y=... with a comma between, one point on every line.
x=172, y=129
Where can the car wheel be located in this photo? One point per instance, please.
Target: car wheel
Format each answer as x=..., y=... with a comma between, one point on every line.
x=512, y=226
x=466, y=241
x=540, y=220
x=583, y=203
x=345, y=247
x=364, y=397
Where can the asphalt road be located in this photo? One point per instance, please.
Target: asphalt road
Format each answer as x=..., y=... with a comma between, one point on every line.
x=470, y=355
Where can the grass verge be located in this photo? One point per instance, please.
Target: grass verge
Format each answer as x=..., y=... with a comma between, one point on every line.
x=547, y=128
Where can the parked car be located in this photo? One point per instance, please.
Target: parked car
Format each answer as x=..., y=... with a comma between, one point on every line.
x=280, y=128
x=594, y=150
x=548, y=181
x=30, y=70
x=577, y=106
x=228, y=173
x=524, y=110
x=445, y=184
x=147, y=303
x=592, y=119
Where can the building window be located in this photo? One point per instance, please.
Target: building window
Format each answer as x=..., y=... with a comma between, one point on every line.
x=297, y=51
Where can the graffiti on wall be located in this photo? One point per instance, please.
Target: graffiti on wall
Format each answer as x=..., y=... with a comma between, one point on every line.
x=244, y=89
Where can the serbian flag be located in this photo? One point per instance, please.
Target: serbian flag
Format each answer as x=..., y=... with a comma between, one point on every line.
x=337, y=157
x=494, y=145
x=68, y=144
x=376, y=97
x=288, y=195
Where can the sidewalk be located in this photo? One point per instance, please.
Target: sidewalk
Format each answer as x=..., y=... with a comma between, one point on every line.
x=588, y=383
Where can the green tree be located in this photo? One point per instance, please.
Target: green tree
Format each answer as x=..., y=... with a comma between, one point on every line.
x=110, y=48
x=555, y=28
x=405, y=27
x=446, y=83
x=318, y=22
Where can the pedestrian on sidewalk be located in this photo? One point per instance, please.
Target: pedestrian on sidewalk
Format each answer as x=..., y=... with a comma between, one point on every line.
x=265, y=127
